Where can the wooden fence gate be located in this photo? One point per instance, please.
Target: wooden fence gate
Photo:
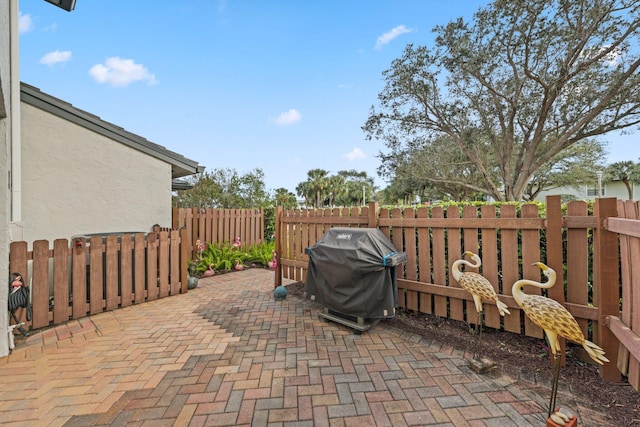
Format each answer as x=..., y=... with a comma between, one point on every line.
x=104, y=273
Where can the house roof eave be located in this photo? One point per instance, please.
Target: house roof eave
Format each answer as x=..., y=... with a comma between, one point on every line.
x=180, y=165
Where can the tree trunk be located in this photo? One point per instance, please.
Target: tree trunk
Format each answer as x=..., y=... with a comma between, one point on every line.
x=629, y=189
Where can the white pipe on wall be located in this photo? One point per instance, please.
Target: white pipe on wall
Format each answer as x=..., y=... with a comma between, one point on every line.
x=14, y=142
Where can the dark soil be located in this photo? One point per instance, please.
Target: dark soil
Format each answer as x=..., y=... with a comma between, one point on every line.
x=526, y=358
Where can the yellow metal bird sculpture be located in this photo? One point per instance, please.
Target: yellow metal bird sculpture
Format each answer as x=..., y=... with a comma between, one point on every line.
x=476, y=284
x=479, y=288
x=555, y=320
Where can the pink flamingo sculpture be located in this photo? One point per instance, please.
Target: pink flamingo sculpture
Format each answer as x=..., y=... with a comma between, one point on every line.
x=236, y=243
x=209, y=272
x=273, y=263
x=239, y=266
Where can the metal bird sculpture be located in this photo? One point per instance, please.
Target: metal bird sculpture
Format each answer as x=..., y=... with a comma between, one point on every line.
x=556, y=321
x=479, y=288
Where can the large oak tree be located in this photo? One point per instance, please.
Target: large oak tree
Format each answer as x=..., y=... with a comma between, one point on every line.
x=515, y=87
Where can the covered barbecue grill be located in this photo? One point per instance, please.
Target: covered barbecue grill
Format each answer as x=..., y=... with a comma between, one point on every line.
x=351, y=272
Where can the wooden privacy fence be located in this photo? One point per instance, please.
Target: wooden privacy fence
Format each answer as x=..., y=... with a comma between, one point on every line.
x=220, y=225
x=576, y=245
x=83, y=277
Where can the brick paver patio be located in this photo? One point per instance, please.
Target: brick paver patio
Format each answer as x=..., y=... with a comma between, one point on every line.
x=227, y=354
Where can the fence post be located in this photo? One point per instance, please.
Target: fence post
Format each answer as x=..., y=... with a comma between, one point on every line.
x=373, y=215
x=555, y=253
x=278, y=231
x=606, y=283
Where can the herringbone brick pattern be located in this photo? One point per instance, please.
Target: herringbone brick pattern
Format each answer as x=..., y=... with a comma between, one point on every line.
x=227, y=354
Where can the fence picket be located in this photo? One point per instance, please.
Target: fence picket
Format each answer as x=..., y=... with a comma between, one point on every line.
x=111, y=268
x=578, y=262
x=301, y=274
x=40, y=282
x=530, y=254
x=411, y=265
x=488, y=247
x=174, y=262
x=509, y=265
x=126, y=271
x=152, y=267
x=291, y=232
x=78, y=279
x=96, y=295
x=163, y=265
x=454, y=252
x=424, y=262
x=470, y=242
x=440, y=272
x=139, y=267
x=60, y=281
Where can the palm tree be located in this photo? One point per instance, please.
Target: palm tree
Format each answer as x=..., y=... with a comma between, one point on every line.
x=285, y=198
x=304, y=190
x=336, y=187
x=317, y=181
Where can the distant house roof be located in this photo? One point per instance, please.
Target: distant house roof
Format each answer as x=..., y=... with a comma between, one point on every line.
x=180, y=165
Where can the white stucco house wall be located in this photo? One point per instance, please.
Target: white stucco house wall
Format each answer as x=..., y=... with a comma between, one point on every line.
x=83, y=175
x=589, y=191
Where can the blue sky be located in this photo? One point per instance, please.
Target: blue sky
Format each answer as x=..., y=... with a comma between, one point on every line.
x=282, y=85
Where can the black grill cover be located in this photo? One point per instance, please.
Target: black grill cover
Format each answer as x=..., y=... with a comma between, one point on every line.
x=351, y=271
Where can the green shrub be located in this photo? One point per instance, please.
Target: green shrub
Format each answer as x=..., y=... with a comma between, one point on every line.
x=260, y=253
x=223, y=256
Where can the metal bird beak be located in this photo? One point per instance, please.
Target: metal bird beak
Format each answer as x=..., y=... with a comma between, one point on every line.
x=540, y=265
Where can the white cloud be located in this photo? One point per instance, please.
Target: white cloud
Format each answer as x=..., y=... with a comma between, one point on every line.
x=610, y=59
x=390, y=35
x=613, y=58
x=355, y=154
x=56, y=57
x=51, y=27
x=288, y=117
x=121, y=72
x=25, y=23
